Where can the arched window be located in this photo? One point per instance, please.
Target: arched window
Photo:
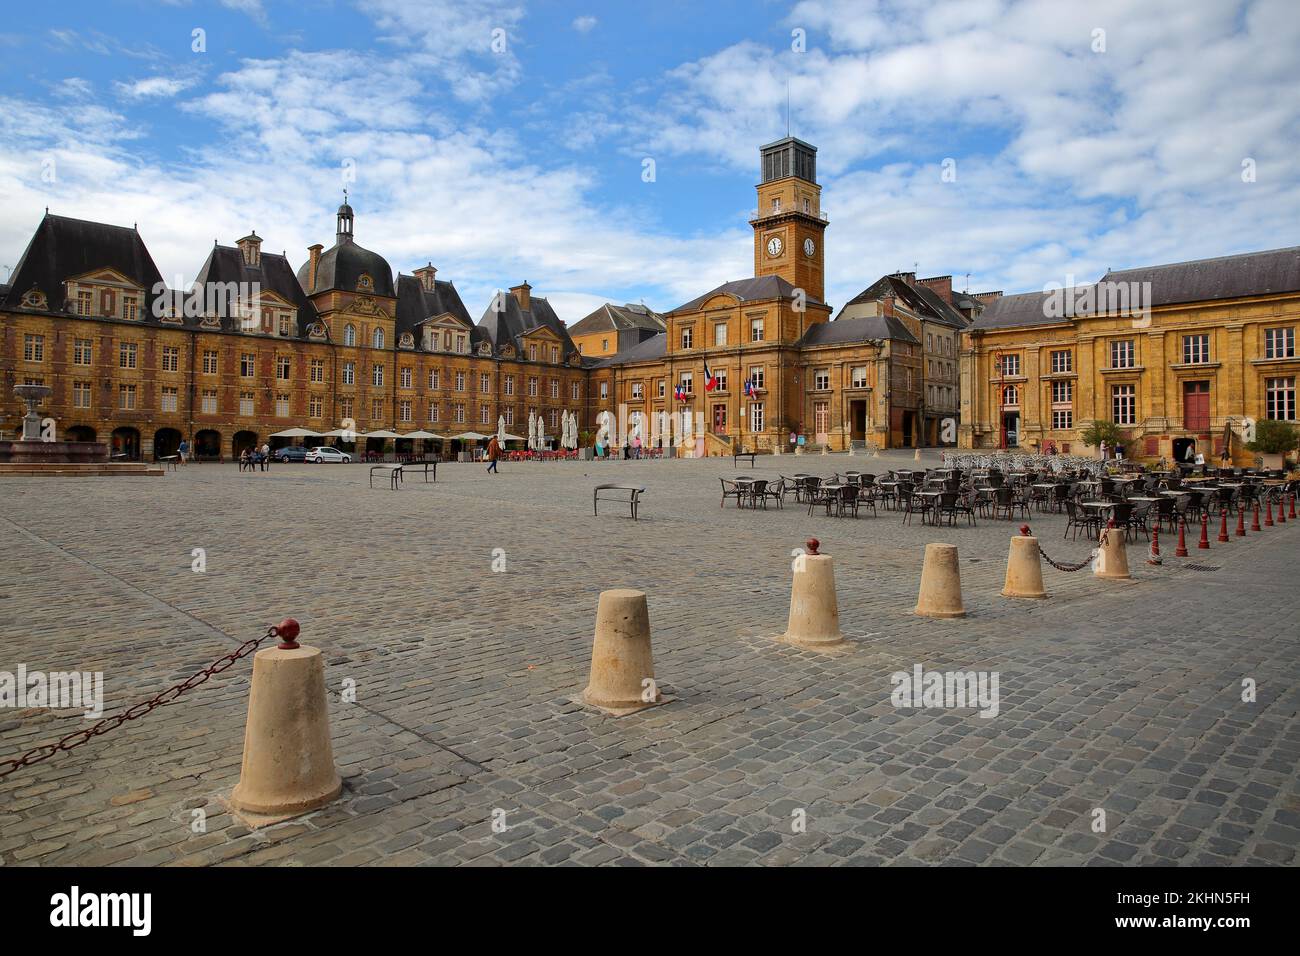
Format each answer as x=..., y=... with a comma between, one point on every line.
x=377, y=340
x=349, y=335
x=1011, y=396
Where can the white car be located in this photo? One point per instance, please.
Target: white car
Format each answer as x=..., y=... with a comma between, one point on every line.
x=326, y=454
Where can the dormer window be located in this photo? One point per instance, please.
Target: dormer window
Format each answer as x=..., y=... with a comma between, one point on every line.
x=460, y=344
x=365, y=283
x=34, y=298
x=250, y=248
x=130, y=308
x=85, y=302
x=532, y=353
x=407, y=340
x=285, y=325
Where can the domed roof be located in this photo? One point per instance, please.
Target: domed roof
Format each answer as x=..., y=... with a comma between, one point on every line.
x=345, y=209
x=342, y=266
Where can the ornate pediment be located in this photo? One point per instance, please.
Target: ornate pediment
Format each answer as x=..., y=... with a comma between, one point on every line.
x=485, y=348
x=316, y=330
x=34, y=298
x=406, y=341
x=507, y=351
x=365, y=305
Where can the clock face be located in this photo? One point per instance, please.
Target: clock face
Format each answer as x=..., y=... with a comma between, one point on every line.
x=774, y=246
x=809, y=247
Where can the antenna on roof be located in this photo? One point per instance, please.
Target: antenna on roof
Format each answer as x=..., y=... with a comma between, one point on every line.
x=345, y=195
x=787, y=106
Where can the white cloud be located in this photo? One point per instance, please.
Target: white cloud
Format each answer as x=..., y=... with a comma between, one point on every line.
x=253, y=8
x=585, y=24
x=154, y=87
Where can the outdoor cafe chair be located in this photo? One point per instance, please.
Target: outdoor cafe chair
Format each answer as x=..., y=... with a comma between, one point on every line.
x=758, y=493
x=1137, y=519
x=730, y=490
x=773, y=491
x=817, y=495
x=847, y=501
x=1078, y=518
x=908, y=503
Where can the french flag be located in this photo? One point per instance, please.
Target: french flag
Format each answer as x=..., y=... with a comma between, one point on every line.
x=749, y=388
x=710, y=380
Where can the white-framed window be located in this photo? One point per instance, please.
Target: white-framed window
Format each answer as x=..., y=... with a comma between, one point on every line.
x=757, y=376
x=345, y=407
x=637, y=391
x=575, y=391
x=247, y=365
x=1278, y=343
x=1280, y=398
x=1011, y=364
x=821, y=379
x=460, y=344
x=33, y=348
x=377, y=339
x=318, y=370
x=484, y=383
x=281, y=405
x=509, y=385
x=316, y=406
x=1062, y=361
x=349, y=334
x=509, y=414
x=1062, y=418
x=208, y=401
x=209, y=361
x=247, y=404
x=377, y=409
x=130, y=307
x=283, y=367
x=687, y=382
x=168, y=399
x=85, y=303
x=285, y=323
x=82, y=351
x=126, y=397
x=532, y=386
x=349, y=373
x=858, y=376
x=721, y=375
x=433, y=378
x=555, y=355
x=756, y=417
x=604, y=390
x=687, y=337
x=460, y=414
x=1010, y=396
x=1062, y=392
x=405, y=376
x=555, y=388
x=433, y=411
x=1122, y=354
x=755, y=330
x=483, y=415
x=1196, y=349
x=126, y=355
x=377, y=375
x=720, y=333
x=81, y=394
x=1123, y=404
x=404, y=410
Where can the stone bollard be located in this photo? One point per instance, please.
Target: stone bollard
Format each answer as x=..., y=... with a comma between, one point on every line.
x=621, y=659
x=940, y=583
x=916, y=456
x=1112, y=556
x=814, y=611
x=776, y=447
x=288, y=766
x=1024, y=571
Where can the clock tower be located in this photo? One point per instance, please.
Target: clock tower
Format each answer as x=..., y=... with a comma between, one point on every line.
x=789, y=225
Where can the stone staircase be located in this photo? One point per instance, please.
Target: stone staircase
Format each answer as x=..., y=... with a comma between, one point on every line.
x=95, y=469
x=717, y=445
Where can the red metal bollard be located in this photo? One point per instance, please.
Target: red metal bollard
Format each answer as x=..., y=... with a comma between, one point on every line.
x=1223, y=526
x=1181, y=550
x=813, y=544
x=1281, y=518
x=1254, y=522
x=1204, y=543
x=1241, y=523
x=1154, y=557
x=1268, y=513
x=1291, y=513
x=287, y=630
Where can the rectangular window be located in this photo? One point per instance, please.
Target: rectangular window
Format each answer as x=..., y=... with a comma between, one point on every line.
x=315, y=406
x=821, y=379
x=377, y=375
x=317, y=370
x=1278, y=343
x=377, y=408
x=484, y=383
x=169, y=398
x=532, y=386
x=637, y=391
x=575, y=390
x=510, y=385
x=1196, y=349
x=284, y=325
x=209, y=362
x=555, y=355
x=1062, y=418
x=687, y=335
x=349, y=373
x=81, y=394
x=433, y=378
x=406, y=376
x=859, y=376
x=460, y=344
x=247, y=404
x=81, y=352
x=509, y=414
x=34, y=348
x=756, y=376
x=433, y=411
x=1121, y=354
x=1123, y=402
x=209, y=401
x=404, y=410
x=604, y=390
x=247, y=365
x=85, y=302
x=688, y=382
x=720, y=334
x=126, y=397
x=1062, y=392
x=126, y=353
x=1062, y=362
x=756, y=330
x=482, y=414
x=721, y=376
x=756, y=419
x=281, y=405
x=460, y=414
x=282, y=365
x=1011, y=364
x=130, y=308
x=460, y=381
x=1280, y=398
x=345, y=407
x=662, y=386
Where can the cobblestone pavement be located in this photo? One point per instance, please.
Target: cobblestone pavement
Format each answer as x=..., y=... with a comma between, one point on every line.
x=1125, y=697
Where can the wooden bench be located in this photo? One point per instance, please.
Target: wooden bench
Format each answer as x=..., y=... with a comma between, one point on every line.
x=394, y=475
x=735, y=458
x=630, y=494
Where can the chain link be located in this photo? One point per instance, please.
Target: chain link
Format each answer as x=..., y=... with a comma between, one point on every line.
x=1082, y=564
x=135, y=711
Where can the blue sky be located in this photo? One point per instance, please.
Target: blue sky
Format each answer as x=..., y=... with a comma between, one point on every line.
x=524, y=161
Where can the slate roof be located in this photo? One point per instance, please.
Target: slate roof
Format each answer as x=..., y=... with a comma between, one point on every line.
x=748, y=290
x=273, y=273
x=921, y=299
x=415, y=304
x=614, y=318
x=861, y=329
x=62, y=248
x=342, y=265
x=508, y=326
x=655, y=347
x=1199, y=280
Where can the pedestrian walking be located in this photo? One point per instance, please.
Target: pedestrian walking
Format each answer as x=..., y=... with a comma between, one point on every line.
x=493, y=454
x=183, y=450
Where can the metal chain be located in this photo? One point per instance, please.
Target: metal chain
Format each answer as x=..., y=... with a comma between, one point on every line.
x=1082, y=564
x=134, y=712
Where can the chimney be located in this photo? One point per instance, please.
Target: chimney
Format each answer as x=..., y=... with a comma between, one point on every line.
x=521, y=294
x=908, y=277
x=940, y=284
x=250, y=247
x=314, y=252
x=986, y=296
x=426, y=276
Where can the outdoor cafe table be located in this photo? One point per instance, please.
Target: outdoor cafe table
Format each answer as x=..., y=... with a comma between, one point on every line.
x=930, y=501
x=744, y=483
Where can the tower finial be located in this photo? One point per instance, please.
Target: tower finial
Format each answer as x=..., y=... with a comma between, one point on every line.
x=787, y=106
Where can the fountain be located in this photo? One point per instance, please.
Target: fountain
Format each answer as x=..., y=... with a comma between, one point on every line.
x=33, y=448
